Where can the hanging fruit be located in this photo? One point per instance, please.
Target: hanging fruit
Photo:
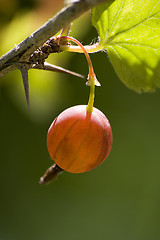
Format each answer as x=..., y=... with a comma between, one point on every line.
x=78, y=140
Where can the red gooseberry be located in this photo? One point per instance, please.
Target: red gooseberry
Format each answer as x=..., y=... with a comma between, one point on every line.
x=78, y=140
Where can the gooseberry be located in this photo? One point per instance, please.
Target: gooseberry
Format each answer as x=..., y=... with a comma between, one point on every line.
x=78, y=140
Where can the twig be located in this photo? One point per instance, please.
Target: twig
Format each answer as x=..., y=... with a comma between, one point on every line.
x=20, y=54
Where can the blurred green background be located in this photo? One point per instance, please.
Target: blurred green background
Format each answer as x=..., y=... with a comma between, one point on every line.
x=119, y=200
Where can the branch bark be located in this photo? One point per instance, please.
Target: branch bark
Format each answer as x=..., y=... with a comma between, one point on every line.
x=19, y=55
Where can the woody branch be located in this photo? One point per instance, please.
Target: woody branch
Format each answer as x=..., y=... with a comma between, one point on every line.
x=18, y=57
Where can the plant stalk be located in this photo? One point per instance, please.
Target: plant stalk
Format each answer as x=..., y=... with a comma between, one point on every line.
x=92, y=80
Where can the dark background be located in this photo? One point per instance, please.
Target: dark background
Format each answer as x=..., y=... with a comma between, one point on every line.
x=120, y=199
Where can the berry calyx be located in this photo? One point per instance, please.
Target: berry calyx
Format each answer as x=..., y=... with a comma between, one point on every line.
x=78, y=140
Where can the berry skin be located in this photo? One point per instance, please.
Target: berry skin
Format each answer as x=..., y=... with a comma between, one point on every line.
x=79, y=141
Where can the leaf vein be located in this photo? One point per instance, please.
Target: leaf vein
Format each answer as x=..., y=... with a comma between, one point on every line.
x=144, y=25
x=135, y=26
x=140, y=60
x=113, y=24
x=130, y=4
x=116, y=52
x=153, y=9
x=137, y=45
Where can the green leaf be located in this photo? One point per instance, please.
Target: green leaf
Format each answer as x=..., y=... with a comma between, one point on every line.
x=130, y=32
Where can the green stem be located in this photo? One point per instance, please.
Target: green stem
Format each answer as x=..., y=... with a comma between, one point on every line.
x=65, y=31
x=91, y=95
x=97, y=47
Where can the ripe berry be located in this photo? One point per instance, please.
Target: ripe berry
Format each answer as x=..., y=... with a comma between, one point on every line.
x=78, y=140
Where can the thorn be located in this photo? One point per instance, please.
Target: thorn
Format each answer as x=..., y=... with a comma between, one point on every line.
x=51, y=67
x=24, y=73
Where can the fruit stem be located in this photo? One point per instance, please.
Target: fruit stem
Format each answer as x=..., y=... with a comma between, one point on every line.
x=91, y=71
x=92, y=80
x=91, y=95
